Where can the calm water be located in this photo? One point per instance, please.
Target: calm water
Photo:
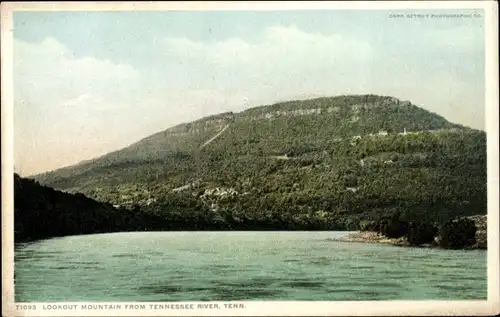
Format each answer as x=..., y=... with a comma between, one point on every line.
x=183, y=266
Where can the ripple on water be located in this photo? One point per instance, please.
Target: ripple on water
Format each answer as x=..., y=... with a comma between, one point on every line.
x=230, y=293
x=221, y=269
x=303, y=284
x=463, y=277
x=321, y=261
x=364, y=267
x=383, y=284
x=306, y=270
x=250, y=283
x=448, y=287
x=124, y=255
x=210, y=293
x=34, y=257
x=376, y=294
x=154, y=253
x=293, y=260
x=76, y=267
x=160, y=288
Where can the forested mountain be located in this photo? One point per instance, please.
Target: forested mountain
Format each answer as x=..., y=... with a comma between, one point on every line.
x=324, y=163
x=42, y=212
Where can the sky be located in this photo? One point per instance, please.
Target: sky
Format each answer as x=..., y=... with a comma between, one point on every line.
x=87, y=83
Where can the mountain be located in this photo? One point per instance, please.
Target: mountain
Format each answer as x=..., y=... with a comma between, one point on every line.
x=320, y=163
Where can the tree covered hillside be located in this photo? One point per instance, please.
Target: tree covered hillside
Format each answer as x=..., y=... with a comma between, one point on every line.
x=325, y=163
x=41, y=212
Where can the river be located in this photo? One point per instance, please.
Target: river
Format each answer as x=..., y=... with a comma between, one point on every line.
x=198, y=266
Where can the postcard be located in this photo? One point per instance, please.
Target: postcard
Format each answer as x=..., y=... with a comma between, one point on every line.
x=250, y=158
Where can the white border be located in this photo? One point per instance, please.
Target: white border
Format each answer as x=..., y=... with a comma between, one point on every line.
x=263, y=308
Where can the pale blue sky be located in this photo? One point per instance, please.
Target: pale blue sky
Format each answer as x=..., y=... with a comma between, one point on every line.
x=87, y=83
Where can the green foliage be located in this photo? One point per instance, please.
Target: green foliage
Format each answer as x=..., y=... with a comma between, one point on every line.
x=369, y=225
x=420, y=232
x=456, y=234
x=41, y=212
x=393, y=228
x=296, y=166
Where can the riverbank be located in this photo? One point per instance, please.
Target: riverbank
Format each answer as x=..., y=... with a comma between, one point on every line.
x=375, y=237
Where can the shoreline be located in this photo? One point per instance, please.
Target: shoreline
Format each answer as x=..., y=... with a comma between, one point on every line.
x=376, y=238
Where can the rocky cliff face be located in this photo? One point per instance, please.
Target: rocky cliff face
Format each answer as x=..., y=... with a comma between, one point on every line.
x=201, y=126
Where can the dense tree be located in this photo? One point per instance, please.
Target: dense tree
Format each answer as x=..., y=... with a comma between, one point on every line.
x=420, y=232
x=42, y=212
x=459, y=233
